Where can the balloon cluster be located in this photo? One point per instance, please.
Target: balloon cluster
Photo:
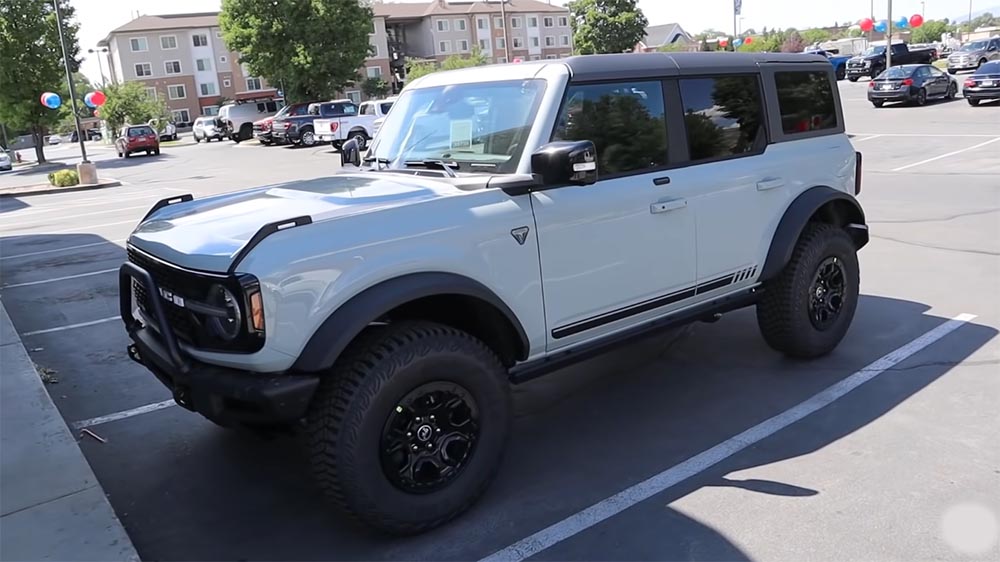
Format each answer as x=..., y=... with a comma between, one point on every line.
x=52, y=100
x=868, y=24
x=94, y=99
x=737, y=42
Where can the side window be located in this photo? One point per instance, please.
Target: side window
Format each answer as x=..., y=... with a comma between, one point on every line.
x=625, y=120
x=723, y=116
x=367, y=109
x=805, y=101
x=898, y=49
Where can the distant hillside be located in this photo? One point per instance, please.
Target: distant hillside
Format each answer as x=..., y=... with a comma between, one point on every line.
x=995, y=10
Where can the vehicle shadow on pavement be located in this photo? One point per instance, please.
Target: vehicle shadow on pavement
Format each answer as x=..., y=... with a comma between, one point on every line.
x=580, y=436
x=134, y=160
x=10, y=203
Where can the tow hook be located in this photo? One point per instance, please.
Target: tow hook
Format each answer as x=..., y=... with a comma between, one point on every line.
x=133, y=354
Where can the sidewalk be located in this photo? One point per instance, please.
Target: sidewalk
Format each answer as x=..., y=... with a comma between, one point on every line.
x=51, y=504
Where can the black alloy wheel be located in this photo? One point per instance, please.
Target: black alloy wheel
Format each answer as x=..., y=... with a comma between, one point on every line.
x=826, y=293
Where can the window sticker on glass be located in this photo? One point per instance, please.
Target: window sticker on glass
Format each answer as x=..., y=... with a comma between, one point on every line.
x=461, y=134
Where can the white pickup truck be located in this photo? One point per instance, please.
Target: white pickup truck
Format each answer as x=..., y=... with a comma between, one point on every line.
x=358, y=123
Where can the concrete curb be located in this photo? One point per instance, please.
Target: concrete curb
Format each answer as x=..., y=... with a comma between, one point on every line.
x=47, y=190
x=51, y=505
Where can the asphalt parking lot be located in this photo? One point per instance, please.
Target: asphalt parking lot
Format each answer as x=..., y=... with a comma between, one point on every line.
x=704, y=445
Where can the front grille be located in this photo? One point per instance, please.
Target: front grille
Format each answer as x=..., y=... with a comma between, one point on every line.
x=188, y=285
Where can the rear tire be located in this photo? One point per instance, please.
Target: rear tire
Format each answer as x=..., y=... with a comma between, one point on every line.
x=156, y=151
x=369, y=418
x=879, y=103
x=921, y=98
x=804, y=312
x=972, y=102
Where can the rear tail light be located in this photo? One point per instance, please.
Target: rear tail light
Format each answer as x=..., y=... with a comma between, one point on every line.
x=334, y=126
x=907, y=82
x=970, y=83
x=871, y=84
x=857, y=173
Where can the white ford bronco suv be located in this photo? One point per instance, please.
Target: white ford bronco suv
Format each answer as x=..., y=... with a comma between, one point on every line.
x=505, y=222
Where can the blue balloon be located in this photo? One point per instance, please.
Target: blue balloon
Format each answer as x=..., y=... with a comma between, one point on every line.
x=737, y=42
x=881, y=26
x=51, y=100
x=903, y=22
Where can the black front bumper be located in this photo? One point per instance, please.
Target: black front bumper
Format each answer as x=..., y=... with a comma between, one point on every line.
x=225, y=396
x=859, y=72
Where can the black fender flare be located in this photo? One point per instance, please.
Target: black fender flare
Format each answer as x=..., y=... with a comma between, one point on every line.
x=844, y=212
x=347, y=321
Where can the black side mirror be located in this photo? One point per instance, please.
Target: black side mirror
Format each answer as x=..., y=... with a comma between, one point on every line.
x=350, y=153
x=566, y=162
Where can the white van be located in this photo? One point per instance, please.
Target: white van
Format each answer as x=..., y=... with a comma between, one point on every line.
x=238, y=118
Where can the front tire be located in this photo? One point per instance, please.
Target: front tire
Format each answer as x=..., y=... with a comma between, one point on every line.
x=841, y=72
x=806, y=310
x=952, y=91
x=408, y=430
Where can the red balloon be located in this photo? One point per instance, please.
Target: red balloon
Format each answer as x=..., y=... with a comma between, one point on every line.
x=723, y=42
x=748, y=40
x=866, y=24
x=98, y=98
x=916, y=20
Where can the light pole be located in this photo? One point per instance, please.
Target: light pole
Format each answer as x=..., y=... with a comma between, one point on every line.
x=100, y=52
x=888, y=39
x=969, y=34
x=506, y=38
x=69, y=81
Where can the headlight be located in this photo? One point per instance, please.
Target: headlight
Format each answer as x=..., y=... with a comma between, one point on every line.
x=229, y=327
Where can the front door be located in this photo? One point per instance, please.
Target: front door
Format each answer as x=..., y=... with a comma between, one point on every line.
x=622, y=250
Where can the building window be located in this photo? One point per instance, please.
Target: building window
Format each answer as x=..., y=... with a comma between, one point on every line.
x=208, y=89
x=168, y=42
x=150, y=92
x=564, y=40
x=354, y=96
x=222, y=58
x=181, y=116
x=374, y=71
x=533, y=21
x=548, y=22
x=375, y=52
x=172, y=67
x=535, y=42
x=443, y=25
x=550, y=41
x=482, y=23
x=515, y=23
x=203, y=65
x=550, y=57
x=518, y=43
x=498, y=23
x=460, y=25
x=227, y=83
x=374, y=29
x=612, y=115
x=210, y=110
x=143, y=69
x=501, y=43
x=563, y=21
x=138, y=44
x=484, y=44
x=176, y=92
x=534, y=57
x=444, y=46
x=723, y=116
x=254, y=84
x=463, y=46
x=565, y=55
x=200, y=40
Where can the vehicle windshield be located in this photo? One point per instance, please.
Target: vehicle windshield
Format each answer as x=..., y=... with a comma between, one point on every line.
x=481, y=127
x=876, y=50
x=896, y=72
x=974, y=46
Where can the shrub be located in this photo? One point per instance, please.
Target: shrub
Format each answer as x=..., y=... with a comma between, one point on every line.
x=64, y=178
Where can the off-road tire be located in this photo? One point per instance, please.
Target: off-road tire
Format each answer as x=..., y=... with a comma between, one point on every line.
x=345, y=422
x=783, y=310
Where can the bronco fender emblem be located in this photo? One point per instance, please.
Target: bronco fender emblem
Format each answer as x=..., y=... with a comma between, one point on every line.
x=520, y=234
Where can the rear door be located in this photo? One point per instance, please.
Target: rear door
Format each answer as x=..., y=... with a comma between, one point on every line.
x=940, y=80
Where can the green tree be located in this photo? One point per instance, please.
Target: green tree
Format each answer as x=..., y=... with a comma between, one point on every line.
x=375, y=88
x=417, y=69
x=931, y=31
x=673, y=48
x=812, y=36
x=31, y=62
x=129, y=103
x=606, y=26
x=311, y=48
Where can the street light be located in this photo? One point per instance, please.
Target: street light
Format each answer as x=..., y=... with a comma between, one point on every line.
x=99, y=52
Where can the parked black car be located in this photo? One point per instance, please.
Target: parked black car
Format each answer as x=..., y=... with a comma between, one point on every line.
x=298, y=129
x=872, y=61
x=984, y=84
x=914, y=83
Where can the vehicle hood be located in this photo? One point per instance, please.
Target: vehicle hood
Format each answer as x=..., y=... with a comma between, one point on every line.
x=207, y=234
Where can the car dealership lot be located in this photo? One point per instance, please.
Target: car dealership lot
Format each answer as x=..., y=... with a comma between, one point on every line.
x=895, y=463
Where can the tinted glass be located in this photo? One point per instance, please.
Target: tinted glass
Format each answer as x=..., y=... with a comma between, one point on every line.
x=723, y=115
x=897, y=72
x=385, y=107
x=805, y=100
x=989, y=68
x=139, y=131
x=625, y=120
x=368, y=109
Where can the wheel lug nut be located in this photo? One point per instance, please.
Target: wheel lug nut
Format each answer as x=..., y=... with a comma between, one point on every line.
x=409, y=434
x=417, y=418
x=430, y=445
x=432, y=418
x=415, y=448
x=439, y=430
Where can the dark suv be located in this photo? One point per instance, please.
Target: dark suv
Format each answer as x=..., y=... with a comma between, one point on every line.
x=298, y=129
x=137, y=138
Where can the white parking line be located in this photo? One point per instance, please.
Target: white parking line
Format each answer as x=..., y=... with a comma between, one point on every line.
x=71, y=326
x=72, y=205
x=50, y=218
x=85, y=228
x=56, y=279
x=867, y=138
x=625, y=499
x=901, y=168
x=123, y=415
x=66, y=249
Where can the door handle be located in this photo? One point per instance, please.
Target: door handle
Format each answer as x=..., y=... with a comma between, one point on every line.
x=667, y=206
x=774, y=183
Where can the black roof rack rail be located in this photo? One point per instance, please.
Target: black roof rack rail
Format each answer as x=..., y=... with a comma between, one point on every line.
x=265, y=231
x=168, y=201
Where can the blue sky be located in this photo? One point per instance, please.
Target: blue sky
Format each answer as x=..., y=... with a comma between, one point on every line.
x=98, y=17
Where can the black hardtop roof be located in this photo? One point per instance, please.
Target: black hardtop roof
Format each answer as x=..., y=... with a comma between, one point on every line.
x=587, y=68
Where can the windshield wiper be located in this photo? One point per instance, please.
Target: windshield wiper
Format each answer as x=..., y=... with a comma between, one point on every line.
x=446, y=167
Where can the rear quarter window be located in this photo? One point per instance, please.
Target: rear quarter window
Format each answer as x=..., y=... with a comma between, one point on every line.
x=805, y=101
